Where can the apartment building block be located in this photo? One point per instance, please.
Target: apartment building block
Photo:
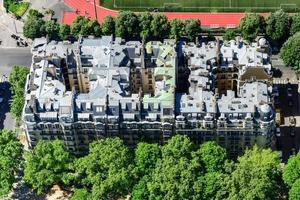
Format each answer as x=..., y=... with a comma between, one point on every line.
x=104, y=87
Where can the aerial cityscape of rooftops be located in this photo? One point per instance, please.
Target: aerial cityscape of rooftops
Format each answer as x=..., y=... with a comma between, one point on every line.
x=131, y=99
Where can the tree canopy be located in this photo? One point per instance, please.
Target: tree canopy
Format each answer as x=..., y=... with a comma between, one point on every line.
x=192, y=29
x=256, y=176
x=107, y=170
x=34, y=26
x=10, y=156
x=52, y=29
x=251, y=26
x=291, y=172
x=145, y=23
x=290, y=52
x=17, y=79
x=159, y=26
x=127, y=25
x=278, y=26
x=229, y=34
x=295, y=24
x=176, y=29
x=108, y=25
x=48, y=164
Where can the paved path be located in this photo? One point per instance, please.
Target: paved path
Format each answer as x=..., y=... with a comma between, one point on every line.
x=86, y=8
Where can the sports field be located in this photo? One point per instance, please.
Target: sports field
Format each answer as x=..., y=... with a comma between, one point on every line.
x=203, y=5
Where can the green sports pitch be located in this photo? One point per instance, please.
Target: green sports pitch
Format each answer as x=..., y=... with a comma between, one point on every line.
x=203, y=5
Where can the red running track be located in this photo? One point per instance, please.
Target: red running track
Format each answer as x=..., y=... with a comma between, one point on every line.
x=213, y=20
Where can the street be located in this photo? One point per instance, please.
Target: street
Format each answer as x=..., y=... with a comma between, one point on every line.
x=288, y=106
x=8, y=58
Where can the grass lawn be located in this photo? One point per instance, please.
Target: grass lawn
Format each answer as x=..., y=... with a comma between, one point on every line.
x=203, y=5
x=18, y=8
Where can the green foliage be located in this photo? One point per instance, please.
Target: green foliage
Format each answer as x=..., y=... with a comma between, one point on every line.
x=106, y=170
x=291, y=171
x=146, y=156
x=278, y=26
x=192, y=29
x=255, y=177
x=17, y=79
x=52, y=29
x=34, y=26
x=18, y=8
x=145, y=23
x=176, y=29
x=229, y=34
x=95, y=28
x=290, y=52
x=108, y=25
x=81, y=194
x=80, y=27
x=48, y=164
x=295, y=25
x=10, y=155
x=294, y=193
x=176, y=173
x=64, y=31
x=140, y=190
x=160, y=26
x=212, y=156
x=127, y=25
x=251, y=25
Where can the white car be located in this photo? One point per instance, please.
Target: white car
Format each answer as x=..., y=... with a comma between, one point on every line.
x=289, y=92
x=275, y=91
x=278, y=133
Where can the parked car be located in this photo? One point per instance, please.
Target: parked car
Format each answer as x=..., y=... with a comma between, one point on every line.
x=278, y=133
x=275, y=91
x=292, y=121
x=290, y=102
x=292, y=132
x=289, y=92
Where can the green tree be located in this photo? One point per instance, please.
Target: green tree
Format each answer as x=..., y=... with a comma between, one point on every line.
x=48, y=164
x=290, y=52
x=278, y=26
x=212, y=156
x=95, y=28
x=291, y=171
x=145, y=22
x=35, y=13
x=10, y=156
x=127, y=25
x=106, y=170
x=17, y=79
x=64, y=31
x=176, y=173
x=294, y=193
x=140, y=190
x=192, y=28
x=295, y=25
x=108, y=25
x=81, y=194
x=160, y=26
x=80, y=27
x=229, y=34
x=176, y=28
x=251, y=26
x=146, y=156
x=52, y=29
x=34, y=27
x=256, y=176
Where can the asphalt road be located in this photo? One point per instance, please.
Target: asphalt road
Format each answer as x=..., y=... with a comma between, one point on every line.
x=8, y=58
x=13, y=56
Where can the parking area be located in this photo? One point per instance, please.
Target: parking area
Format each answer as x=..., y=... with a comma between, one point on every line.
x=287, y=106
